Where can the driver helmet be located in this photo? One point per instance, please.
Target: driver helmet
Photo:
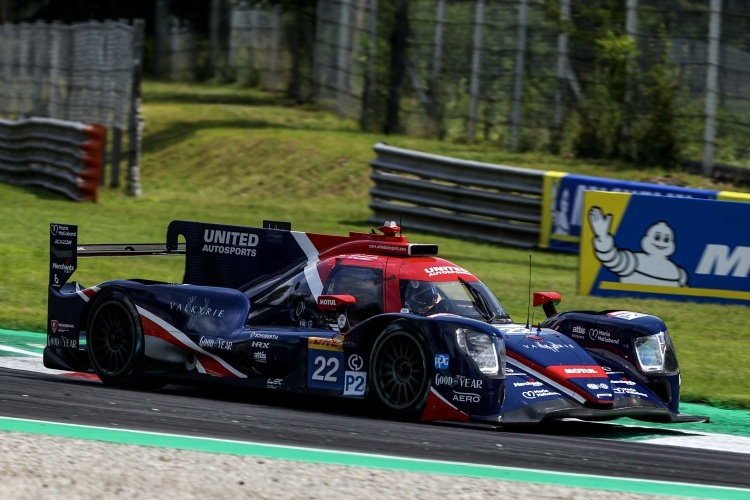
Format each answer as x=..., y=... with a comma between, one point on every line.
x=420, y=297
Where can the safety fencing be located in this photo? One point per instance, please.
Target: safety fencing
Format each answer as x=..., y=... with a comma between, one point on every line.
x=462, y=198
x=84, y=72
x=500, y=204
x=59, y=155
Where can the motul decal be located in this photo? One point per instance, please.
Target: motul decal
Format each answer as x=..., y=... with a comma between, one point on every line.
x=586, y=371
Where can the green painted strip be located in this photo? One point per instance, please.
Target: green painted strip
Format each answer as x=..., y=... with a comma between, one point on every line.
x=124, y=436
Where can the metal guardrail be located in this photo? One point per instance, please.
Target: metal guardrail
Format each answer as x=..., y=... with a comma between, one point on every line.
x=59, y=155
x=462, y=198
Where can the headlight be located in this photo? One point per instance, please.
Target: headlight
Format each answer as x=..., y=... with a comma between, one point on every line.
x=481, y=348
x=655, y=353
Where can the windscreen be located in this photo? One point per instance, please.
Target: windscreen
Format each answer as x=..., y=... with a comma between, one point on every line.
x=460, y=297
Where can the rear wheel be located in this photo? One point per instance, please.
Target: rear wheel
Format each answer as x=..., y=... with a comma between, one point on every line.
x=398, y=373
x=115, y=340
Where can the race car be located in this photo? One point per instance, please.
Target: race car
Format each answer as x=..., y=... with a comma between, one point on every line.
x=366, y=316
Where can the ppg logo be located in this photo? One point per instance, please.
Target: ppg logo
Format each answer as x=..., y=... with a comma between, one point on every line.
x=441, y=361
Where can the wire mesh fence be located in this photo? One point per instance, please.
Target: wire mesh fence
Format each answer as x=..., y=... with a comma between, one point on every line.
x=605, y=78
x=81, y=72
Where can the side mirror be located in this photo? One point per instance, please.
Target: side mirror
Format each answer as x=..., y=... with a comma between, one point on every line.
x=548, y=301
x=332, y=302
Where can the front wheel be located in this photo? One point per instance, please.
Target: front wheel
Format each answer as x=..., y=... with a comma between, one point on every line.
x=115, y=340
x=398, y=373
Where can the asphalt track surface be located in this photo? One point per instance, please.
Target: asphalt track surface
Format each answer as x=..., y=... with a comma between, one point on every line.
x=265, y=417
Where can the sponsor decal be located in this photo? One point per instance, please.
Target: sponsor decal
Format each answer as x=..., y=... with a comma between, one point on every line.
x=274, y=383
x=355, y=362
x=61, y=230
x=595, y=387
x=578, y=332
x=510, y=372
x=215, y=343
x=259, y=356
x=602, y=395
x=366, y=258
x=58, y=327
x=230, y=242
x=195, y=311
x=629, y=391
x=63, y=242
x=550, y=346
x=602, y=336
x=264, y=336
x=442, y=361
x=388, y=248
x=67, y=268
x=539, y=393
x=466, y=397
x=527, y=384
x=628, y=315
x=512, y=329
x=438, y=270
x=341, y=321
x=62, y=342
x=578, y=371
x=354, y=383
x=260, y=345
x=325, y=344
x=459, y=381
x=622, y=382
x=327, y=302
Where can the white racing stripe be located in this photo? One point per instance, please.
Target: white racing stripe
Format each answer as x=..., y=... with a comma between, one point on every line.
x=28, y=365
x=16, y=350
x=703, y=441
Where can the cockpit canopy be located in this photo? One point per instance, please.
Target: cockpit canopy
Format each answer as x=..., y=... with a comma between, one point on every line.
x=470, y=299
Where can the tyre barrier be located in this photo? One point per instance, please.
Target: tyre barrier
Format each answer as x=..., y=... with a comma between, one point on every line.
x=58, y=155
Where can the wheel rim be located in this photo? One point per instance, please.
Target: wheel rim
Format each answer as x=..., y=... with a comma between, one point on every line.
x=400, y=371
x=112, y=339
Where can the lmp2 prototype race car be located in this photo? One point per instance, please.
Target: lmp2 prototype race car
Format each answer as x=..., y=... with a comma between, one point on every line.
x=366, y=316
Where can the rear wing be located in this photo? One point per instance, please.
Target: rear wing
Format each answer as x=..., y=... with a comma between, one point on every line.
x=64, y=252
x=215, y=254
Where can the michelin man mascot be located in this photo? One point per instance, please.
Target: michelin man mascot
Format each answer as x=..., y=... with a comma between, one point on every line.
x=652, y=266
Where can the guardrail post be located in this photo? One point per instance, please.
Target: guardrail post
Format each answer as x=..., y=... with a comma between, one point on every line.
x=712, y=87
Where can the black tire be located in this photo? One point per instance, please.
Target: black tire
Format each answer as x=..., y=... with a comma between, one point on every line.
x=399, y=375
x=115, y=340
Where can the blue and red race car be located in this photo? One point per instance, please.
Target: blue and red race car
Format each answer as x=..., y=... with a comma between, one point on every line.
x=364, y=316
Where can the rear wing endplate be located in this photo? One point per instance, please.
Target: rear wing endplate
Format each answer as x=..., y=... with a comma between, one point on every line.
x=64, y=252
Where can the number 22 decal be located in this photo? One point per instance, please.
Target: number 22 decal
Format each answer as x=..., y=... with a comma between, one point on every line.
x=321, y=363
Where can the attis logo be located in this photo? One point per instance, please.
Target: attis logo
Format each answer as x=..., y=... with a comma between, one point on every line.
x=54, y=325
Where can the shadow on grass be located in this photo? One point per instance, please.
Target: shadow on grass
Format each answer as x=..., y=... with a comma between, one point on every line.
x=178, y=132
x=250, y=99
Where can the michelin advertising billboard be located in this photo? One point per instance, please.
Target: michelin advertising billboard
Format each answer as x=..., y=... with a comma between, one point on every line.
x=562, y=204
x=664, y=247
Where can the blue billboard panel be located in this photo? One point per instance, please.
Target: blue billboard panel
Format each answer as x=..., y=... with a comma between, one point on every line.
x=664, y=247
x=562, y=209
